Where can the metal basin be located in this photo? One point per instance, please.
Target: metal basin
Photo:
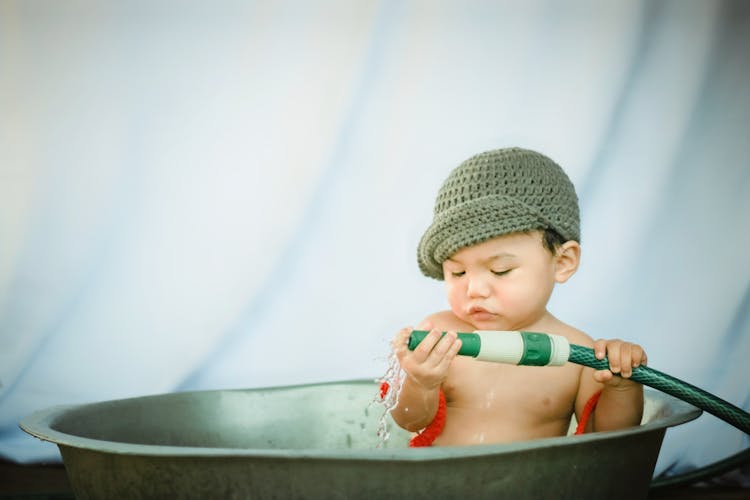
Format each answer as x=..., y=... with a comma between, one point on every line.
x=319, y=441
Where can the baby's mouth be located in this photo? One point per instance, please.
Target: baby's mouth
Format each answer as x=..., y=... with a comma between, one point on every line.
x=479, y=311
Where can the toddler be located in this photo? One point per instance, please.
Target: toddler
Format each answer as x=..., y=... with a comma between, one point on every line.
x=505, y=231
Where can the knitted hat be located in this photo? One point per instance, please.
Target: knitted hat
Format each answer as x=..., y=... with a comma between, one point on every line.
x=496, y=193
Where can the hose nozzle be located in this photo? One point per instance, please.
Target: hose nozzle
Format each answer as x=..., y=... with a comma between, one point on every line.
x=517, y=348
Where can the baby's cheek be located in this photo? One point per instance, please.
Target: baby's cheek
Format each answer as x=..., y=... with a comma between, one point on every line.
x=455, y=296
x=458, y=307
x=517, y=299
x=507, y=301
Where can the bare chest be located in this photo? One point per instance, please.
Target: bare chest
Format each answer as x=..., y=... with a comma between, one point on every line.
x=532, y=393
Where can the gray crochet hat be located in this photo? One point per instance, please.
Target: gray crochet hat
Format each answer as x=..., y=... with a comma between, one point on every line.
x=496, y=193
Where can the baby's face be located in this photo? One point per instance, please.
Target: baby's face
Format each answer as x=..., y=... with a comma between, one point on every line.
x=501, y=284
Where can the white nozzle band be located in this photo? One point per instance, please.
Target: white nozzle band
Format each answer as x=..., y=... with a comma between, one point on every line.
x=510, y=347
x=501, y=347
x=560, y=350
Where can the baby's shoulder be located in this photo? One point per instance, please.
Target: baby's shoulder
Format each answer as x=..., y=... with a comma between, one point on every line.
x=446, y=320
x=574, y=335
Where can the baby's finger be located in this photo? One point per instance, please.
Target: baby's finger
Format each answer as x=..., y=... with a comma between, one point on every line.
x=600, y=348
x=602, y=376
x=443, y=346
x=626, y=359
x=613, y=355
x=449, y=355
x=401, y=340
x=423, y=350
x=639, y=356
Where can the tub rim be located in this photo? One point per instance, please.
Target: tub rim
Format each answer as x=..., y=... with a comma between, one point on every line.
x=40, y=425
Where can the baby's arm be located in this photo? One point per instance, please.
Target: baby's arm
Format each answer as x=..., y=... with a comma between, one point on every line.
x=426, y=368
x=621, y=402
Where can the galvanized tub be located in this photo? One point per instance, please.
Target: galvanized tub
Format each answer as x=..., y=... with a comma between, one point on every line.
x=319, y=441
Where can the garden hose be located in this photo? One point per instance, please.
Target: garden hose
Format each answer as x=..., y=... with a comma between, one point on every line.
x=541, y=349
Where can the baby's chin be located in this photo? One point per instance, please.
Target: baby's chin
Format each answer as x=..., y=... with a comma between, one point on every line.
x=497, y=324
x=484, y=322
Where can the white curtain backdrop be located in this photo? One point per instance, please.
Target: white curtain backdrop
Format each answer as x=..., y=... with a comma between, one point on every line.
x=205, y=195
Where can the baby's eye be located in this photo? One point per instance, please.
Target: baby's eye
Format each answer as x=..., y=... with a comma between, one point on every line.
x=501, y=273
x=457, y=274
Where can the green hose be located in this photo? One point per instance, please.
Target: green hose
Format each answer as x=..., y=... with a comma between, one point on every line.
x=689, y=393
x=645, y=375
x=675, y=387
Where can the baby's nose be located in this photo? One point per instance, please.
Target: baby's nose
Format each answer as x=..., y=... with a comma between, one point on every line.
x=478, y=287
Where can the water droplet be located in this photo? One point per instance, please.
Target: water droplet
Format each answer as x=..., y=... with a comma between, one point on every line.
x=389, y=389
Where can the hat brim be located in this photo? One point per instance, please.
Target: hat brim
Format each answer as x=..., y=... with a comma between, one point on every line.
x=469, y=223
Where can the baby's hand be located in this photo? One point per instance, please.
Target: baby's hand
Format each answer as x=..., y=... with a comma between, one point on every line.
x=428, y=363
x=623, y=357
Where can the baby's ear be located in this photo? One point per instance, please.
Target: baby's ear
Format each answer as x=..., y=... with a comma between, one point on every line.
x=567, y=258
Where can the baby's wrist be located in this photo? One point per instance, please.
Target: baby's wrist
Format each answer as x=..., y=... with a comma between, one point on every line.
x=424, y=386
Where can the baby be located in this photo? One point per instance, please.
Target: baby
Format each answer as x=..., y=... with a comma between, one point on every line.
x=505, y=231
